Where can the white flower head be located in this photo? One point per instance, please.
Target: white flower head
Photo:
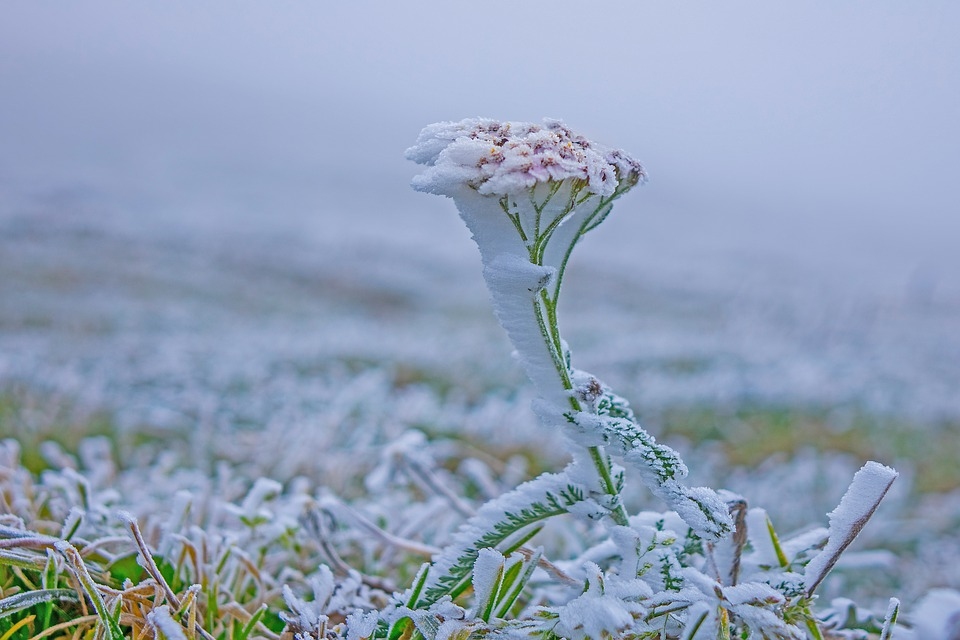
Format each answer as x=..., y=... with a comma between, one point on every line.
x=507, y=158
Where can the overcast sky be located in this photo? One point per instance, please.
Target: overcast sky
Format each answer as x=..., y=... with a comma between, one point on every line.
x=813, y=133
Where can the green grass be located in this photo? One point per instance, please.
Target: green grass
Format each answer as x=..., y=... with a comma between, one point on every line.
x=751, y=434
x=32, y=418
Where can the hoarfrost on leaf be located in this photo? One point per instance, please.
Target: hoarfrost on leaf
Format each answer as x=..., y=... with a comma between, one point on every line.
x=596, y=613
x=487, y=571
x=361, y=624
x=659, y=466
x=863, y=496
x=165, y=625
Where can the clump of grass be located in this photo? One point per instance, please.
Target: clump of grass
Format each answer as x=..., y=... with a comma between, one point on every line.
x=91, y=573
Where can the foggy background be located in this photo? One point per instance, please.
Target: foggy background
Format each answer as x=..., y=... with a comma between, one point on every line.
x=803, y=161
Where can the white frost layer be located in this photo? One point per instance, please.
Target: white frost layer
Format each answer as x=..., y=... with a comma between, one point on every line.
x=514, y=283
x=504, y=158
x=165, y=625
x=607, y=608
x=866, y=491
x=361, y=624
x=487, y=572
x=492, y=230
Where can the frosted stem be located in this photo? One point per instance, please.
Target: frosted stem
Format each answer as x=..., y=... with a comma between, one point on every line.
x=551, y=335
x=528, y=193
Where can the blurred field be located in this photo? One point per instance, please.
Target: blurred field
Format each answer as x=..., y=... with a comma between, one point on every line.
x=257, y=351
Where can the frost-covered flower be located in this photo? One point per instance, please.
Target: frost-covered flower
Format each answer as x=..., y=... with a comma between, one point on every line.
x=507, y=158
x=528, y=192
x=522, y=188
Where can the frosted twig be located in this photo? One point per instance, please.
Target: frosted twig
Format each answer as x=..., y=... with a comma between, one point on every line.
x=97, y=546
x=11, y=532
x=31, y=542
x=89, y=587
x=312, y=520
x=724, y=557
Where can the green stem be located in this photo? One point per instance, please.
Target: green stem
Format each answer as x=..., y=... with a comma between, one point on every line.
x=541, y=239
x=514, y=218
x=554, y=187
x=550, y=330
x=545, y=309
x=584, y=227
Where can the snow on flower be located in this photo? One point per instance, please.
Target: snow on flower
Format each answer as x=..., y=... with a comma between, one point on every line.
x=506, y=158
x=528, y=192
